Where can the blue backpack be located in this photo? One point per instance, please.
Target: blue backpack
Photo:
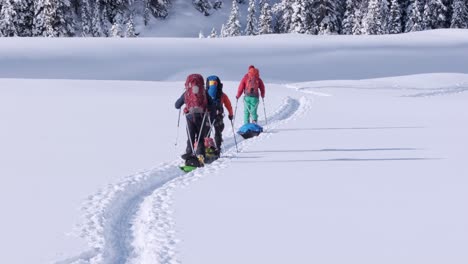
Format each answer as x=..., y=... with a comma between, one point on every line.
x=215, y=89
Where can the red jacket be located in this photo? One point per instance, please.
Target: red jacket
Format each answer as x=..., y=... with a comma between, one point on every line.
x=243, y=84
x=227, y=103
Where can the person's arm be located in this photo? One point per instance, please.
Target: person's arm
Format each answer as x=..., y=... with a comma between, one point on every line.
x=180, y=102
x=227, y=104
x=262, y=89
x=241, y=88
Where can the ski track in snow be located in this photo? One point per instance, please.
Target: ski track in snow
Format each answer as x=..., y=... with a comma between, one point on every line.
x=131, y=221
x=457, y=88
x=441, y=91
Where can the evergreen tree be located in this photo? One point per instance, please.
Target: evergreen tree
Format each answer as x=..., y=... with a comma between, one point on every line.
x=203, y=6
x=53, y=18
x=265, y=19
x=222, y=32
x=283, y=12
x=218, y=4
x=327, y=14
x=349, y=18
x=358, y=18
x=158, y=8
x=25, y=13
x=130, y=32
x=39, y=18
x=415, y=17
x=201, y=35
x=116, y=29
x=47, y=15
x=376, y=20
x=85, y=18
x=213, y=33
x=435, y=15
x=105, y=23
x=233, y=26
x=8, y=20
x=146, y=13
x=460, y=14
x=251, y=25
x=395, y=18
x=64, y=22
x=299, y=20
x=96, y=22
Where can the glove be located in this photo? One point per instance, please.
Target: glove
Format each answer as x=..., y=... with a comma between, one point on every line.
x=237, y=97
x=231, y=117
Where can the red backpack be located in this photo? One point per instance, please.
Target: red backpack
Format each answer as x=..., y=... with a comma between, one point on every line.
x=195, y=94
x=252, y=83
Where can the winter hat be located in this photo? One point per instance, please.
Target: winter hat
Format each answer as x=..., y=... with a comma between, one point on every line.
x=251, y=66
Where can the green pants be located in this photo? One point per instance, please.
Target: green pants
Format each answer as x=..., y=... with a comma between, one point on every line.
x=250, y=109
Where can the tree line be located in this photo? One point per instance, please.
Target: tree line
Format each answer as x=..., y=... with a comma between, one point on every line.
x=116, y=18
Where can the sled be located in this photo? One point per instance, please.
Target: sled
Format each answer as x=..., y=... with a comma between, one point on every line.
x=250, y=130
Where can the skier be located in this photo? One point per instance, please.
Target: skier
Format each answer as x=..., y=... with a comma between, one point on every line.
x=196, y=105
x=218, y=99
x=250, y=86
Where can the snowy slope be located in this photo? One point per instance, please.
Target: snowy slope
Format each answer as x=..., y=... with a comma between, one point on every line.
x=372, y=169
x=372, y=173
x=185, y=21
x=281, y=58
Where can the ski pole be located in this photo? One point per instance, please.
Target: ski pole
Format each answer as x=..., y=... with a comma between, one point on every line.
x=178, y=126
x=235, y=112
x=234, y=134
x=201, y=130
x=211, y=129
x=264, y=111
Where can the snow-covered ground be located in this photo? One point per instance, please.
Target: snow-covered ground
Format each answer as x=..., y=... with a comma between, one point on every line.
x=356, y=171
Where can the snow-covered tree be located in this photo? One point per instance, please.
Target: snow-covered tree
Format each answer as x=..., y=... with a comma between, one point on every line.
x=222, y=32
x=117, y=26
x=130, y=31
x=218, y=4
x=25, y=14
x=376, y=20
x=300, y=12
x=158, y=8
x=86, y=22
x=283, y=14
x=213, y=33
x=8, y=19
x=394, y=26
x=460, y=14
x=357, y=24
x=414, y=20
x=349, y=18
x=251, y=24
x=265, y=19
x=327, y=14
x=233, y=26
x=435, y=15
x=105, y=22
x=96, y=23
x=53, y=18
x=201, y=35
x=146, y=13
x=203, y=6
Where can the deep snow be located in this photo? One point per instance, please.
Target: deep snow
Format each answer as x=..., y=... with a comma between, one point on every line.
x=361, y=171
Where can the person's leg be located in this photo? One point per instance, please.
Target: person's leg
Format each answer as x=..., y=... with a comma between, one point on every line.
x=190, y=135
x=251, y=105
x=246, y=110
x=219, y=127
x=254, y=108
